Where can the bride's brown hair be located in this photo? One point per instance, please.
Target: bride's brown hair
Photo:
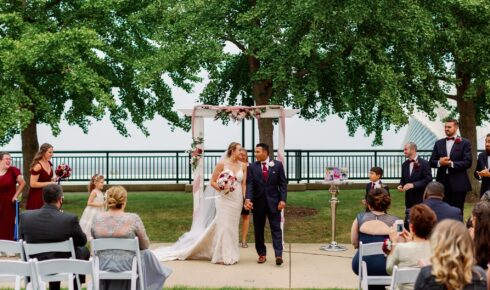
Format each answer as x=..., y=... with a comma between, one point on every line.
x=231, y=148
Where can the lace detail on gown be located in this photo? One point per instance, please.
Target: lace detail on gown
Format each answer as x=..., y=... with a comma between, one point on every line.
x=127, y=226
x=89, y=213
x=218, y=241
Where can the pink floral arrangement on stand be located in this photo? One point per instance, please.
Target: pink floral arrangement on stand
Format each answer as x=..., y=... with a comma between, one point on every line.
x=226, y=182
x=63, y=171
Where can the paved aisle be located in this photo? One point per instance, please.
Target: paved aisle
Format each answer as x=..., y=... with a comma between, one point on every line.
x=305, y=266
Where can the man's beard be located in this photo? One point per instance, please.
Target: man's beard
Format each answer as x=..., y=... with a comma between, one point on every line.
x=488, y=151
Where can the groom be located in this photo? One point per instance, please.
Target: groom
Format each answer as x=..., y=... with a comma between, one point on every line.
x=266, y=195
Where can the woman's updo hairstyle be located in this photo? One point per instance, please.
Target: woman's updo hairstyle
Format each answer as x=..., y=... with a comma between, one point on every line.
x=116, y=197
x=231, y=148
x=378, y=199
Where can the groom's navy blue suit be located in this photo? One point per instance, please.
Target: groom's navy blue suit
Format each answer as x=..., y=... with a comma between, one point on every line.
x=265, y=194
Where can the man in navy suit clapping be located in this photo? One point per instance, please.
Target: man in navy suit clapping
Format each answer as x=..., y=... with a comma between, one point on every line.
x=452, y=157
x=415, y=176
x=482, y=167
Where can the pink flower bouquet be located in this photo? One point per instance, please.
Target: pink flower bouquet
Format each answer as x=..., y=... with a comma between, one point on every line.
x=226, y=182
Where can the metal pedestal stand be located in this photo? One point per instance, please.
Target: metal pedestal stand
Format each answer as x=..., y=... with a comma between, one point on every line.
x=333, y=246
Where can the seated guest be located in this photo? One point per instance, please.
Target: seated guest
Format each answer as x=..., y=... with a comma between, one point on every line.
x=408, y=248
x=373, y=226
x=50, y=225
x=115, y=223
x=453, y=263
x=433, y=197
x=480, y=220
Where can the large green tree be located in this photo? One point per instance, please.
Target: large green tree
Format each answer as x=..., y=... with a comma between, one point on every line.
x=373, y=62
x=77, y=60
x=411, y=55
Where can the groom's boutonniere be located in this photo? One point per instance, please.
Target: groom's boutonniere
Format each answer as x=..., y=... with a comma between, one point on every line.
x=271, y=163
x=457, y=140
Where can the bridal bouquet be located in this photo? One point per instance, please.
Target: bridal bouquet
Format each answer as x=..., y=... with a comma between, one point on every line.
x=226, y=181
x=62, y=171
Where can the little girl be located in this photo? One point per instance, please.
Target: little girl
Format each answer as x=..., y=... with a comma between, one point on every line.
x=95, y=203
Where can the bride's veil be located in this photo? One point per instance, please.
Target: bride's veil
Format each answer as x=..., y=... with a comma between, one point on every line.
x=202, y=218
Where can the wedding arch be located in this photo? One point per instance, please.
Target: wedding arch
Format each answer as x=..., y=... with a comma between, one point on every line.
x=235, y=113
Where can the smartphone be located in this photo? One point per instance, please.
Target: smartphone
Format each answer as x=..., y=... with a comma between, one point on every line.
x=399, y=226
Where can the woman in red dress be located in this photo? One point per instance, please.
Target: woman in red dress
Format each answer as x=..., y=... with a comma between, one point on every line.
x=9, y=178
x=41, y=175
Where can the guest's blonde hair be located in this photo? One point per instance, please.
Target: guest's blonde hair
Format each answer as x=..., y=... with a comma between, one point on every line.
x=452, y=259
x=116, y=197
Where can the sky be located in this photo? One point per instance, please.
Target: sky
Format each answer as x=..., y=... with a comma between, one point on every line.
x=300, y=134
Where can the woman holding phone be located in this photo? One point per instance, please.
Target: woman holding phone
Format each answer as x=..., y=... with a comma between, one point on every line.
x=371, y=227
x=408, y=249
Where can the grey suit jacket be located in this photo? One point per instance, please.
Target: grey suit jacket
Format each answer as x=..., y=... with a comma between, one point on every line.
x=49, y=225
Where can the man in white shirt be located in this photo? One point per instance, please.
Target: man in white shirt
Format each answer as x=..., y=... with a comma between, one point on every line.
x=452, y=157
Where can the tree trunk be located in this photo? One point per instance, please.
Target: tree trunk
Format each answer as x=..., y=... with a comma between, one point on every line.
x=262, y=92
x=467, y=125
x=30, y=146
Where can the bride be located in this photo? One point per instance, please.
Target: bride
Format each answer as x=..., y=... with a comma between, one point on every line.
x=214, y=232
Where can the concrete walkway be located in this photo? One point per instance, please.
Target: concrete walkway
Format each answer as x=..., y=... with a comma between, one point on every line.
x=305, y=266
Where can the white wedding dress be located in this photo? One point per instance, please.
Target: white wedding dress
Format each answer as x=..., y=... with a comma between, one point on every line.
x=212, y=236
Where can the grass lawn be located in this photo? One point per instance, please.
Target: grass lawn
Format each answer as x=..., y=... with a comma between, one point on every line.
x=167, y=215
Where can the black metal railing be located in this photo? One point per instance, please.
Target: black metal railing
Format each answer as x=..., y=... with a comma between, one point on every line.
x=174, y=166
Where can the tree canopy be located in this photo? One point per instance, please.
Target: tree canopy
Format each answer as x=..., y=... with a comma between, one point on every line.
x=371, y=62
x=78, y=60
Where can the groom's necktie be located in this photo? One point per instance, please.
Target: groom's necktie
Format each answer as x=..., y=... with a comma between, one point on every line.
x=265, y=172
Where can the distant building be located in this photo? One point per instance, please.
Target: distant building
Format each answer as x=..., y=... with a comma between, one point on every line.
x=425, y=132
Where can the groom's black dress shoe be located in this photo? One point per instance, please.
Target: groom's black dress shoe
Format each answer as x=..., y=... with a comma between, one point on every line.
x=279, y=261
x=261, y=259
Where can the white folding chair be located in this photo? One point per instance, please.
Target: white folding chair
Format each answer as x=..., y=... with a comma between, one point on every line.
x=364, y=279
x=12, y=247
x=132, y=245
x=16, y=270
x=63, y=247
x=403, y=275
x=66, y=267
